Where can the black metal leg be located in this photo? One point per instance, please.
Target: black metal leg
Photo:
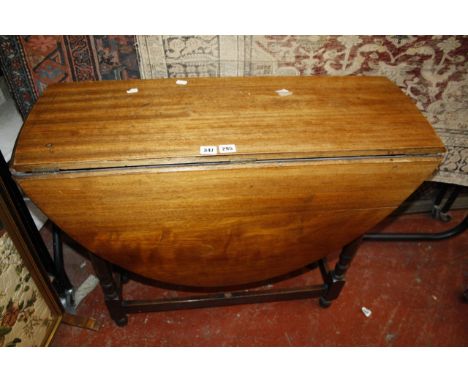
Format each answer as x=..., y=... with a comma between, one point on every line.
x=111, y=288
x=391, y=236
x=60, y=281
x=438, y=212
x=444, y=216
x=457, y=230
x=441, y=212
x=335, y=280
x=440, y=196
x=14, y=194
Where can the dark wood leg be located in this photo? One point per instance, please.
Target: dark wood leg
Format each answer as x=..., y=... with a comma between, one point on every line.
x=111, y=288
x=68, y=292
x=335, y=280
x=118, y=308
x=123, y=275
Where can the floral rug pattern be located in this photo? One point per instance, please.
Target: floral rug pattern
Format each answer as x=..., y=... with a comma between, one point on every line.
x=25, y=318
x=431, y=70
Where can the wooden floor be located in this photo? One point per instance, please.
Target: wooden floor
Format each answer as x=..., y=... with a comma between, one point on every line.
x=412, y=289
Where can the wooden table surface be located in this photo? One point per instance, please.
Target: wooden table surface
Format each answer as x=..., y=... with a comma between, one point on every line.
x=357, y=148
x=98, y=124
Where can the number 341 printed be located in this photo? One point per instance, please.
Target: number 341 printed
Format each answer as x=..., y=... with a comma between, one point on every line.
x=213, y=150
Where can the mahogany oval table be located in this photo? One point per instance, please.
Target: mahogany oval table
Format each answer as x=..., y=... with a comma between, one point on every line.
x=222, y=182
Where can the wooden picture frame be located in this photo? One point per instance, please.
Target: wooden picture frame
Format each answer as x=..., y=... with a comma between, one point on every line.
x=13, y=219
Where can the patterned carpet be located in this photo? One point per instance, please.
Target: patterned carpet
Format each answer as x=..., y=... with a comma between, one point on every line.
x=432, y=70
x=30, y=63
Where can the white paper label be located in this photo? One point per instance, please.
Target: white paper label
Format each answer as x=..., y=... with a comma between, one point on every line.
x=283, y=92
x=227, y=149
x=208, y=150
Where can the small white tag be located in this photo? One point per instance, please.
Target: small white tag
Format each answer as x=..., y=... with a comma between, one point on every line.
x=181, y=82
x=367, y=312
x=227, y=149
x=283, y=92
x=208, y=150
x=132, y=90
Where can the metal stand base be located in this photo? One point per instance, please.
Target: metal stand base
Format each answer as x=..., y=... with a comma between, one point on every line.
x=119, y=308
x=54, y=268
x=438, y=212
x=441, y=212
x=457, y=230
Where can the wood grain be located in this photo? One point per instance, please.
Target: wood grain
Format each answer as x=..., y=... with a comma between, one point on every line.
x=226, y=224
x=97, y=124
x=313, y=170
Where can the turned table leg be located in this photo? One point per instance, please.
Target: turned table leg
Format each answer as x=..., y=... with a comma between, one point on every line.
x=118, y=309
x=335, y=279
x=111, y=289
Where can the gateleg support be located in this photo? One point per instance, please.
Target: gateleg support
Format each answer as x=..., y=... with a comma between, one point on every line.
x=111, y=288
x=335, y=280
